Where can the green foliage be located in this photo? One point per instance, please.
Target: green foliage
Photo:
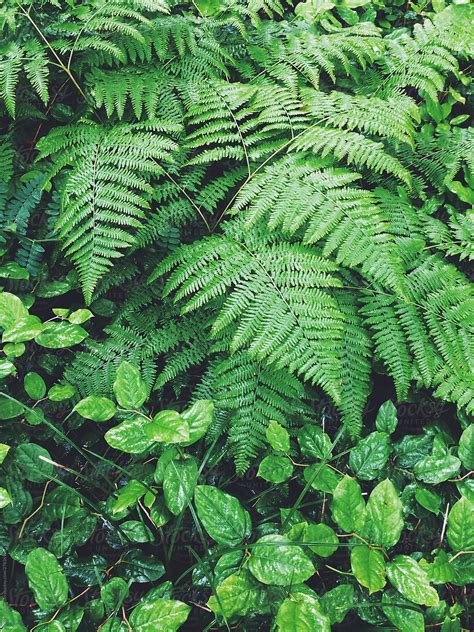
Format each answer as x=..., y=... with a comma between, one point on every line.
x=235, y=240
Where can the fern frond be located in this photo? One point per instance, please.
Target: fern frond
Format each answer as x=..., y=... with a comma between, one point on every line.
x=11, y=58
x=106, y=189
x=300, y=194
x=278, y=299
x=352, y=147
x=253, y=393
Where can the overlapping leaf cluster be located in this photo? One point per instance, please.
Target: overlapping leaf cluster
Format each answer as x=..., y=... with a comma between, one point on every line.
x=226, y=228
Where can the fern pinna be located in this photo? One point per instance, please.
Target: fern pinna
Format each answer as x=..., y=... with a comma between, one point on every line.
x=285, y=179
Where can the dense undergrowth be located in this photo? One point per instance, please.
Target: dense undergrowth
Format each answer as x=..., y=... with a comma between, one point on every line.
x=237, y=360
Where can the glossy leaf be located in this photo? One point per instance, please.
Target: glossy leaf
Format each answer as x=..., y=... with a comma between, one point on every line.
x=370, y=455
x=129, y=388
x=385, y=514
x=60, y=335
x=437, y=469
x=238, y=595
x=386, y=420
x=403, y=614
x=301, y=613
x=278, y=437
x=368, y=566
x=275, y=560
x=466, y=447
x=314, y=443
x=166, y=615
x=168, y=426
x=275, y=468
x=178, y=486
x=321, y=539
x=199, y=418
x=348, y=506
x=129, y=436
x=11, y=309
x=222, y=515
x=460, y=532
x=35, y=386
x=96, y=408
x=46, y=579
x=33, y=461
x=321, y=477
x=407, y=576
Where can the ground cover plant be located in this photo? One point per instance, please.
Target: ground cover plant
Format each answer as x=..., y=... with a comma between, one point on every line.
x=236, y=310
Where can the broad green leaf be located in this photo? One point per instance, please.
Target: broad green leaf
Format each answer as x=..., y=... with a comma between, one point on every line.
x=321, y=477
x=159, y=513
x=80, y=316
x=301, y=613
x=75, y=531
x=466, y=448
x=386, y=420
x=408, y=577
x=129, y=436
x=336, y=603
x=405, y=615
x=165, y=458
x=463, y=567
x=178, y=485
x=428, y=499
x=222, y=515
x=412, y=449
x=11, y=309
x=114, y=593
x=228, y=564
x=5, y=498
x=441, y=570
x=24, y=329
x=348, y=506
x=168, y=426
x=96, y=408
x=14, y=349
x=370, y=455
x=135, y=531
x=61, y=392
x=30, y=459
x=368, y=566
x=60, y=335
x=278, y=437
x=129, y=388
x=4, y=449
x=385, y=514
x=321, y=539
x=34, y=385
x=128, y=496
x=165, y=615
x=276, y=560
x=6, y=368
x=275, y=468
x=199, y=418
x=239, y=594
x=12, y=270
x=460, y=532
x=71, y=617
x=46, y=579
x=136, y=566
x=10, y=408
x=60, y=503
x=10, y=619
x=22, y=501
x=314, y=443
x=437, y=469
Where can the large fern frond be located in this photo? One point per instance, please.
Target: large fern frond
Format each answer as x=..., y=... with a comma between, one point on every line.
x=106, y=190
